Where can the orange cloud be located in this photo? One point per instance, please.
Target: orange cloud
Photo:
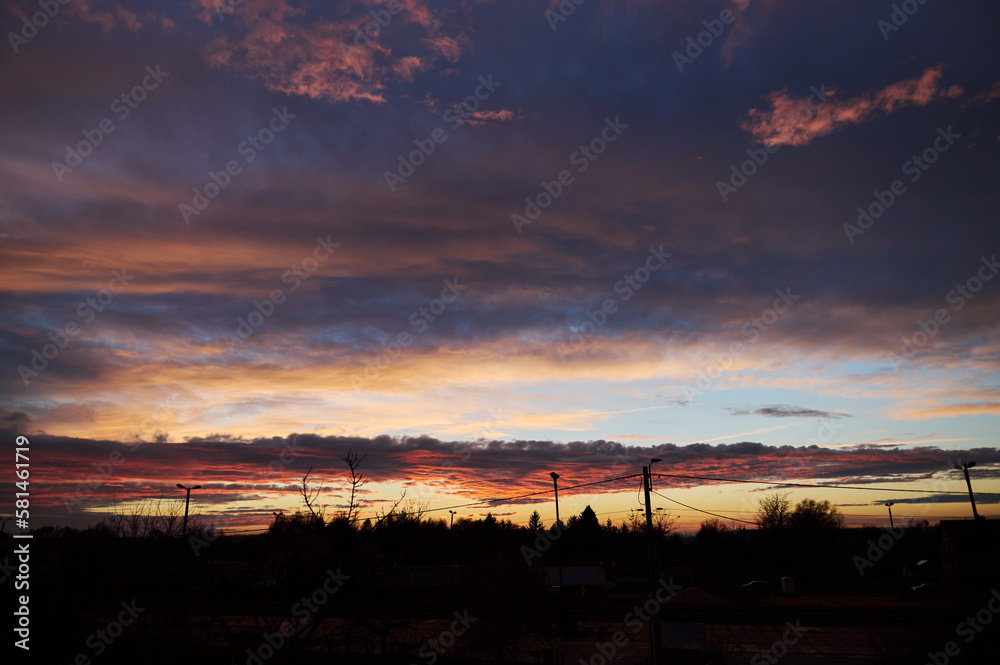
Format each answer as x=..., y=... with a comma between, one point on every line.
x=950, y=411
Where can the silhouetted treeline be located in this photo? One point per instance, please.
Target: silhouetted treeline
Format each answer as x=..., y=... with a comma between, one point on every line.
x=405, y=569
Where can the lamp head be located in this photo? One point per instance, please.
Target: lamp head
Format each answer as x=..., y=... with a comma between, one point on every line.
x=958, y=467
x=655, y=459
x=196, y=487
x=554, y=475
x=181, y=486
x=971, y=464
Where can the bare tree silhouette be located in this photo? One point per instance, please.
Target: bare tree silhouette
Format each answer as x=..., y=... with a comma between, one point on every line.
x=310, y=495
x=353, y=462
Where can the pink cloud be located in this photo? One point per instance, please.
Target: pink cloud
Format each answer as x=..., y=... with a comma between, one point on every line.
x=110, y=17
x=792, y=121
x=406, y=68
x=330, y=59
x=987, y=96
x=447, y=47
x=477, y=118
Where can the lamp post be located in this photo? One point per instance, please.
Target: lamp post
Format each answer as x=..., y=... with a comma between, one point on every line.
x=187, y=501
x=889, y=505
x=452, y=519
x=555, y=485
x=965, y=467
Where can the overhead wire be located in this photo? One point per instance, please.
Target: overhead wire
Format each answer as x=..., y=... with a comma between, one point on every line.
x=523, y=496
x=843, y=487
x=696, y=477
x=734, y=519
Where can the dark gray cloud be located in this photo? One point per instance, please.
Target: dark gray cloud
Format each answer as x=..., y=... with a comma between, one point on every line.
x=226, y=465
x=936, y=498
x=786, y=411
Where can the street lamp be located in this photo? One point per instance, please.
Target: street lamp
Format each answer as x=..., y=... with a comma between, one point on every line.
x=651, y=462
x=555, y=484
x=187, y=501
x=889, y=505
x=452, y=518
x=965, y=467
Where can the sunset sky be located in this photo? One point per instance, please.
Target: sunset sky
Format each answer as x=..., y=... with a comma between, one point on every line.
x=490, y=240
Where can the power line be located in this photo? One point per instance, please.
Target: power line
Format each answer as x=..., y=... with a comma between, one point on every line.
x=709, y=478
x=839, y=487
x=734, y=519
x=693, y=477
x=523, y=496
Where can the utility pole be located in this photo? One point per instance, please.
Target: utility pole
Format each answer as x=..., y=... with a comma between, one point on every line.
x=965, y=467
x=655, y=639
